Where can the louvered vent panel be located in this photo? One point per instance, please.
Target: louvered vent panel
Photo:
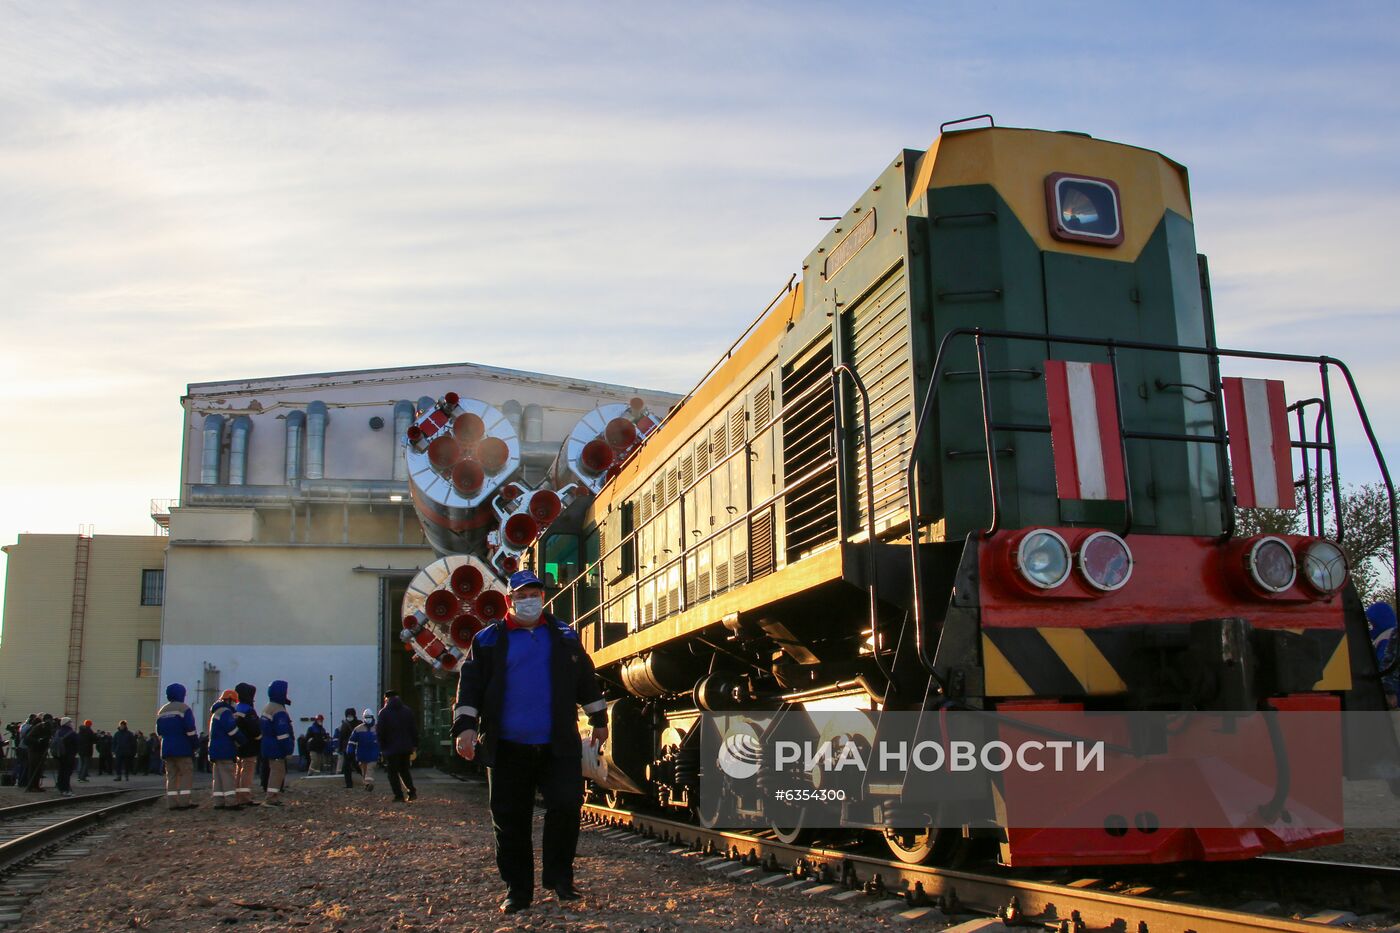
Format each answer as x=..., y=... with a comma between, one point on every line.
x=761, y=543
x=740, y=573
x=807, y=431
x=762, y=410
x=877, y=331
x=672, y=487
x=736, y=427
x=722, y=577
x=687, y=472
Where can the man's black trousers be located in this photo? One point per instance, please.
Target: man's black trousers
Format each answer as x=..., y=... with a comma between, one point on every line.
x=399, y=777
x=518, y=771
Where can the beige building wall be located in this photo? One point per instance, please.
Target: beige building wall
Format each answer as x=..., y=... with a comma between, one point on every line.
x=37, y=621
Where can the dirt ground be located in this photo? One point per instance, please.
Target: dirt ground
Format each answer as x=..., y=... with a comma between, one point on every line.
x=337, y=859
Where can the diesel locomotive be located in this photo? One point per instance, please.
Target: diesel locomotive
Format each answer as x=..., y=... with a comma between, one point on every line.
x=985, y=454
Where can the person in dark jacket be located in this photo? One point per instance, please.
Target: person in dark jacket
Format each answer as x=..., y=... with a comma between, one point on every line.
x=201, y=754
x=278, y=742
x=37, y=742
x=520, y=686
x=317, y=739
x=65, y=750
x=104, y=752
x=348, y=767
x=178, y=736
x=398, y=741
x=224, y=739
x=249, y=745
x=123, y=750
x=87, y=744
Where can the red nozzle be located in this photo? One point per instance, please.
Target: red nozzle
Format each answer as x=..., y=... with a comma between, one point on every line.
x=410, y=621
x=510, y=565
x=493, y=454
x=519, y=530
x=443, y=452
x=447, y=660
x=491, y=605
x=441, y=605
x=415, y=434
x=545, y=506
x=450, y=400
x=637, y=404
x=468, y=428
x=597, y=456
x=467, y=477
x=510, y=492
x=466, y=582
x=620, y=433
x=463, y=628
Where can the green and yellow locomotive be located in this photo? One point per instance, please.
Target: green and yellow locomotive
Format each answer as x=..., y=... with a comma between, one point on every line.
x=982, y=455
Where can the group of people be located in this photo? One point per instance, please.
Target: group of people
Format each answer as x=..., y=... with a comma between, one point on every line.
x=43, y=738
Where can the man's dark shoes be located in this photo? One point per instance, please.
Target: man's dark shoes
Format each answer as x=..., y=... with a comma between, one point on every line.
x=567, y=891
x=514, y=903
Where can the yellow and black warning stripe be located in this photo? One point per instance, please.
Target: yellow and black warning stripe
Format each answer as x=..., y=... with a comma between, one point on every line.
x=1069, y=662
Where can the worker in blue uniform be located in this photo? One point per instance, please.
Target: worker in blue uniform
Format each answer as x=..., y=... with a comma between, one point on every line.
x=179, y=738
x=224, y=739
x=277, y=739
x=518, y=693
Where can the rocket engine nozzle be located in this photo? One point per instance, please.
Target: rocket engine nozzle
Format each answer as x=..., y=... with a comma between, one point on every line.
x=463, y=629
x=491, y=605
x=545, y=506
x=621, y=433
x=443, y=452
x=468, y=428
x=493, y=454
x=441, y=605
x=468, y=477
x=597, y=456
x=519, y=531
x=467, y=582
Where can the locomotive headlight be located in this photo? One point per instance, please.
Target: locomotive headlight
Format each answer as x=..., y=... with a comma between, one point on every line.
x=1271, y=564
x=1043, y=559
x=1324, y=567
x=1105, y=561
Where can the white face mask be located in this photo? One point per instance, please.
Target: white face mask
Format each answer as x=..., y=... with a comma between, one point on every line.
x=528, y=609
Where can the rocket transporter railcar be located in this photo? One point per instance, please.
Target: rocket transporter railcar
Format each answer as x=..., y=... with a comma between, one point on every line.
x=978, y=456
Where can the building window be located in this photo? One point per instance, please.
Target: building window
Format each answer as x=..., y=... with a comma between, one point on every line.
x=148, y=657
x=152, y=587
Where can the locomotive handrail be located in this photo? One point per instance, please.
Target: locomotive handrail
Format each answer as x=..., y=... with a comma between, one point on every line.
x=1214, y=354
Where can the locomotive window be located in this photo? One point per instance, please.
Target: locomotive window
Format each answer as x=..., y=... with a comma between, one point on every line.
x=1085, y=210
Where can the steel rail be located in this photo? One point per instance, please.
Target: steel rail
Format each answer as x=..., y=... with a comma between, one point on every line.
x=21, y=849
x=1037, y=904
x=22, y=810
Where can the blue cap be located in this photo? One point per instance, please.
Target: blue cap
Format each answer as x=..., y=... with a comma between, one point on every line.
x=523, y=578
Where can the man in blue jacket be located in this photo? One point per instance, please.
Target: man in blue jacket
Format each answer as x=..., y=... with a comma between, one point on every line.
x=520, y=686
x=277, y=739
x=224, y=736
x=178, y=738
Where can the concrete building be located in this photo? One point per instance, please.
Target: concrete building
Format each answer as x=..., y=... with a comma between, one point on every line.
x=294, y=535
x=81, y=629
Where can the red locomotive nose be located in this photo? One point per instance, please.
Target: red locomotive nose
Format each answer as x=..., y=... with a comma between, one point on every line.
x=520, y=530
x=443, y=452
x=491, y=605
x=493, y=454
x=441, y=605
x=463, y=628
x=466, y=582
x=468, y=428
x=597, y=456
x=467, y=477
x=545, y=506
x=620, y=433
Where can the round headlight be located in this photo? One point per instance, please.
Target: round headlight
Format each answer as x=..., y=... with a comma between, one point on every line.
x=1105, y=561
x=1271, y=564
x=1043, y=559
x=1324, y=567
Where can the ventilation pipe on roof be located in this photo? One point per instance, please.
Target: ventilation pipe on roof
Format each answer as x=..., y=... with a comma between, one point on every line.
x=403, y=418
x=316, y=418
x=511, y=409
x=534, y=423
x=238, y=450
x=296, y=428
x=211, y=449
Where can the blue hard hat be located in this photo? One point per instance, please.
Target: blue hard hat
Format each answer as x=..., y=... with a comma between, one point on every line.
x=523, y=578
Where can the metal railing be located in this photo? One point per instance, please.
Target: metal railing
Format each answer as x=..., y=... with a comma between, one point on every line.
x=990, y=427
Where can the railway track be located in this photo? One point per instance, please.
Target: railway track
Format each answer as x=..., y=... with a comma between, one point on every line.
x=1157, y=901
x=36, y=840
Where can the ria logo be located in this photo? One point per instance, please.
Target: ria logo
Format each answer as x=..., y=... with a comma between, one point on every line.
x=740, y=754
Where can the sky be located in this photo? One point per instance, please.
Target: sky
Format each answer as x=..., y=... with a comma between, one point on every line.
x=197, y=192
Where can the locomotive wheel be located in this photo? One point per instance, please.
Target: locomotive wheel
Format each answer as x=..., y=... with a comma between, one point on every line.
x=792, y=829
x=928, y=846
x=708, y=817
x=615, y=799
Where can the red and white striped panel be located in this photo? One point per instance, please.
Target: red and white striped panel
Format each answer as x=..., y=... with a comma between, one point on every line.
x=1084, y=431
x=1261, y=460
